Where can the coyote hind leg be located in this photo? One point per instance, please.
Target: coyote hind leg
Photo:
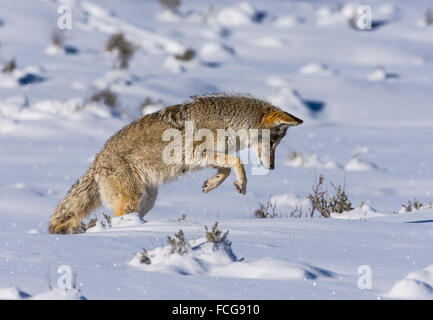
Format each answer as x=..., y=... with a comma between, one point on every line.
x=147, y=201
x=121, y=193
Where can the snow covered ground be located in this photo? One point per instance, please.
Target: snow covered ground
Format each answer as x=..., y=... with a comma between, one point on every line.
x=366, y=101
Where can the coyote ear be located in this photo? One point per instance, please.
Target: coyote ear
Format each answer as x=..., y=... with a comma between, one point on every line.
x=279, y=118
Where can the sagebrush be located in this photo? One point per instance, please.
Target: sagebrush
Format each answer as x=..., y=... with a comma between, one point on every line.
x=215, y=235
x=324, y=204
x=178, y=243
x=106, y=96
x=125, y=49
x=9, y=66
x=268, y=210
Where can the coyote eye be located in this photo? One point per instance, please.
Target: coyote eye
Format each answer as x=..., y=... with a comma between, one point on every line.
x=275, y=138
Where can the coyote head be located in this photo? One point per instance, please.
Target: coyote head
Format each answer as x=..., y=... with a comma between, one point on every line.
x=276, y=122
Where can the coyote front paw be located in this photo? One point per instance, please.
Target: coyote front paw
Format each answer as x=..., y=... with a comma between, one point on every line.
x=241, y=186
x=212, y=183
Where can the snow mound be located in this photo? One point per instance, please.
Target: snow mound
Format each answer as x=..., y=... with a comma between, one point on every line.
x=361, y=212
x=127, y=221
x=310, y=160
x=356, y=164
x=241, y=14
x=218, y=259
x=270, y=269
x=58, y=294
x=291, y=200
x=167, y=16
x=286, y=21
x=116, y=78
x=326, y=16
x=315, y=68
x=100, y=19
x=215, y=52
x=53, y=50
x=276, y=82
x=14, y=293
x=21, y=77
x=416, y=285
x=380, y=74
x=406, y=209
x=268, y=42
x=18, y=108
x=174, y=65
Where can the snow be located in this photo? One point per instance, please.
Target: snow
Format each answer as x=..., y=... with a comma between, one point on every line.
x=311, y=160
x=215, y=52
x=287, y=21
x=365, y=98
x=57, y=294
x=315, y=68
x=362, y=212
x=356, y=164
x=416, y=285
x=13, y=293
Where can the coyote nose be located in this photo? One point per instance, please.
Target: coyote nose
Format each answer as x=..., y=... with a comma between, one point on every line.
x=297, y=121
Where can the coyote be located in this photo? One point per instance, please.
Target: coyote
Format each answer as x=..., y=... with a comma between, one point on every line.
x=126, y=173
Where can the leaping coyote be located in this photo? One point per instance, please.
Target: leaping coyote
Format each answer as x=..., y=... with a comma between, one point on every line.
x=126, y=173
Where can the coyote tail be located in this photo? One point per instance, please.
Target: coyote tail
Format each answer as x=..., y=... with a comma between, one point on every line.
x=76, y=205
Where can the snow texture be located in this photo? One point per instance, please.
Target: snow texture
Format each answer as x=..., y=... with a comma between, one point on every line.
x=365, y=98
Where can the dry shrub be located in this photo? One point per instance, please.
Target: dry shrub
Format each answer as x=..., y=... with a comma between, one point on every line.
x=57, y=37
x=149, y=102
x=182, y=217
x=416, y=205
x=9, y=66
x=325, y=205
x=429, y=17
x=144, y=257
x=106, y=96
x=92, y=222
x=178, y=244
x=215, y=235
x=172, y=5
x=187, y=55
x=268, y=210
x=124, y=49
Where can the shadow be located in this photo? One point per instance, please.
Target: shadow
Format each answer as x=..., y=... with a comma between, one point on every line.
x=224, y=32
x=211, y=64
x=375, y=24
x=70, y=50
x=314, y=106
x=30, y=78
x=420, y=221
x=259, y=16
x=392, y=76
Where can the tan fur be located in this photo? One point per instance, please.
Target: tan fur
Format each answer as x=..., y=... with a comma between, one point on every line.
x=126, y=173
x=279, y=117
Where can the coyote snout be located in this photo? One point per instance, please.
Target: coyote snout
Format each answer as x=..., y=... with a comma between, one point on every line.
x=278, y=122
x=126, y=173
